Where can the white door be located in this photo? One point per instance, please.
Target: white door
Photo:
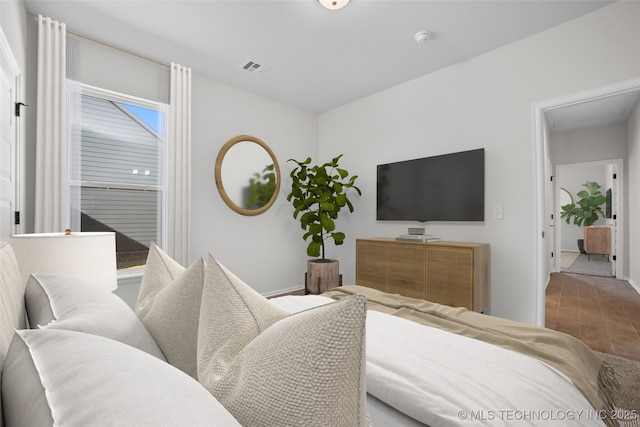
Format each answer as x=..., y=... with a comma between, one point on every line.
x=615, y=210
x=9, y=80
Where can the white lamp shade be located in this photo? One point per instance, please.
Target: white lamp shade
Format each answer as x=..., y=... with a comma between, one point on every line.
x=88, y=256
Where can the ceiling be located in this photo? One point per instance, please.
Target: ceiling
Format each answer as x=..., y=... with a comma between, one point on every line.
x=312, y=58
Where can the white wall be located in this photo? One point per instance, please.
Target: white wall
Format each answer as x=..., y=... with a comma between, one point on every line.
x=267, y=250
x=587, y=145
x=483, y=102
x=633, y=196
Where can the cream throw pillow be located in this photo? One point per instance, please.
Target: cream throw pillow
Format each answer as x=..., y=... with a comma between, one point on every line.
x=67, y=378
x=59, y=302
x=232, y=315
x=270, y=369
x=169, y=307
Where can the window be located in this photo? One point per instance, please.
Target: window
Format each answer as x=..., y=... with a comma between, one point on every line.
x=118, y=170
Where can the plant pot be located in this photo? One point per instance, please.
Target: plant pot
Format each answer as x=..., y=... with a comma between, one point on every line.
x=322, y=275
x=581, y=246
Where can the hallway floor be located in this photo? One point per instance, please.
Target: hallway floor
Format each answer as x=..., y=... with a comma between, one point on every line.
x=603, y=312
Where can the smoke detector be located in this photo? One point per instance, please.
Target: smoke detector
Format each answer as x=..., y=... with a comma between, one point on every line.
x=422, y=36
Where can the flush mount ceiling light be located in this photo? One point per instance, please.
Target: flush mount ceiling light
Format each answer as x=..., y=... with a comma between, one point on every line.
x=334, y=4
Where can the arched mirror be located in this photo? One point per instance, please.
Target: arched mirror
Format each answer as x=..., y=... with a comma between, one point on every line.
x=247, y=175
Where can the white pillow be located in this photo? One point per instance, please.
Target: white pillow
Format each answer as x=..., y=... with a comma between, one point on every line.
x=54, y=377
x=169, y=307
x=270, y=369
x=58, y=302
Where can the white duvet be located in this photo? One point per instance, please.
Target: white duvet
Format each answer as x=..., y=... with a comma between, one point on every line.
x=444, y=379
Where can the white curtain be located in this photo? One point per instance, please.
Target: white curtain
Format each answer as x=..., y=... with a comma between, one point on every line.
x=51, y=198
x=179, y=174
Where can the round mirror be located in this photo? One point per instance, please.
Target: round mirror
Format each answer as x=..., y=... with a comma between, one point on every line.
x=565, y=197
x=247, y=175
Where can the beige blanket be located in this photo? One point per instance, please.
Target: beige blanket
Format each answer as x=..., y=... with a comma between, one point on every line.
x=567, y=354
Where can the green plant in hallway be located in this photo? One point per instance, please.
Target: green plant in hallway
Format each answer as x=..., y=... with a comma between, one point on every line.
x=588, y=209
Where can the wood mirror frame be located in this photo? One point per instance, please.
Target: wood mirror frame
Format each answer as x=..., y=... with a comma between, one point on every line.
x=233, y=204
x=565, y=197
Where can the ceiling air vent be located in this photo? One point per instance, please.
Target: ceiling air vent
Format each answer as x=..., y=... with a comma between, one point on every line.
x=253, y=67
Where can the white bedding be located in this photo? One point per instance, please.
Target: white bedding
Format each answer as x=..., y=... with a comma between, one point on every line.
x=444, y=379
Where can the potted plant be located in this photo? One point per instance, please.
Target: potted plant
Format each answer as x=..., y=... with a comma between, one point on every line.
x=318, y=194
x=588, y=209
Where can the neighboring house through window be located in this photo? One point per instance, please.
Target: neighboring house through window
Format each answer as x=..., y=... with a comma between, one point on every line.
x=118, y=153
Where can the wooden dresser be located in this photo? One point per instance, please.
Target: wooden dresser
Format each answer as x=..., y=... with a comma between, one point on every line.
x=450, y=273
x=597, y=240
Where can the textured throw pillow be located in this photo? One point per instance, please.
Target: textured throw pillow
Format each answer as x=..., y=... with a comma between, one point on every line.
x=58, y=302
x=232, y=315
x=169, y=307
x=270, y=369
x=54, y=377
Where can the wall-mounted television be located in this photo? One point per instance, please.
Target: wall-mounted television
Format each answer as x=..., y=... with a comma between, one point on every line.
x=447, y=187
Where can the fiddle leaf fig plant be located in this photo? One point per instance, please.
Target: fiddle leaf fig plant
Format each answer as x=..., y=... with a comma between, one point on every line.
x=586, y=211
x=318, y=194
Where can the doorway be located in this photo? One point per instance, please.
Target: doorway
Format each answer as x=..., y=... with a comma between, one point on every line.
x=568, y=180
x=544, y=188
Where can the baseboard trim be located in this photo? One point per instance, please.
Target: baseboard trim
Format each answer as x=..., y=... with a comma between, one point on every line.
x=287, y=291
x=634, y=285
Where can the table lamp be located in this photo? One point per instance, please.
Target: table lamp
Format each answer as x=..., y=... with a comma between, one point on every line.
x=87, y=256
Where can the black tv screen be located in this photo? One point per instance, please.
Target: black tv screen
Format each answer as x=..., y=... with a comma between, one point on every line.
x=448, y=187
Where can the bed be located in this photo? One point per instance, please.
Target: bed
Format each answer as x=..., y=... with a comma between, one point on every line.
x=203, y=348
x=445, y=366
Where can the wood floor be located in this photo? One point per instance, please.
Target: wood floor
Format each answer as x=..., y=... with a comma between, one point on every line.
x=603, y=312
